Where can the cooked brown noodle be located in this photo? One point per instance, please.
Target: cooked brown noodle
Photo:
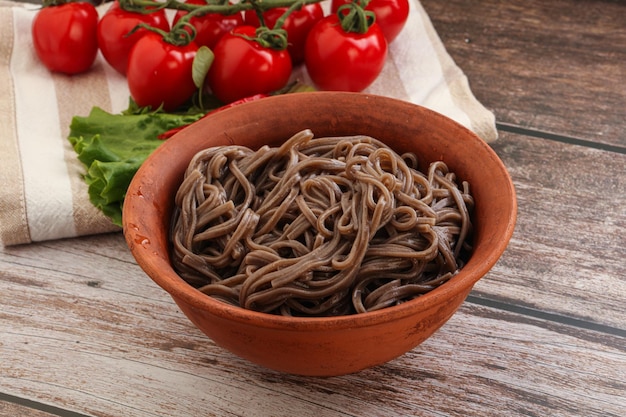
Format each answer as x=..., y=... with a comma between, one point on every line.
x=318, y=226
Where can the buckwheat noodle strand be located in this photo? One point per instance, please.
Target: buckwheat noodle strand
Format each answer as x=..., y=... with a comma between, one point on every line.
x=318, y=226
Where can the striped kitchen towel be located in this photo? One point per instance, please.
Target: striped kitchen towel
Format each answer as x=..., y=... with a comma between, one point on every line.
x=42, y=194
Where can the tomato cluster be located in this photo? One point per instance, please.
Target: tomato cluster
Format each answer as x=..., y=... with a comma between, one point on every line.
x=251, y=49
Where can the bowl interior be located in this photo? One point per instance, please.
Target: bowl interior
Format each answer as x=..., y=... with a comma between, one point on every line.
x=403, y=126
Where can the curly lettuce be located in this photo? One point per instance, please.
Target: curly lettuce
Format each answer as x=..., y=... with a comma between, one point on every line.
x=113, y=146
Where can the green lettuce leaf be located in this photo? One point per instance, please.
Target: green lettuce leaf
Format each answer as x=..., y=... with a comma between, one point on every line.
x=113, y=146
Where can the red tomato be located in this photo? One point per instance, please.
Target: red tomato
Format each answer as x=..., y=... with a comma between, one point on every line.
x=210, y=27
x=243, y=67
x=114, y=27
x=347, y=61
x=391, y=15
x=160, y=73
x=298, y=24
x=65, y=38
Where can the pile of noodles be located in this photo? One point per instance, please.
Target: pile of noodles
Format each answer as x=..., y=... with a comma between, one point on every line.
x=318, y=226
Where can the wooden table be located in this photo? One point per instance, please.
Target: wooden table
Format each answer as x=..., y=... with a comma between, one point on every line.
x=84, y=332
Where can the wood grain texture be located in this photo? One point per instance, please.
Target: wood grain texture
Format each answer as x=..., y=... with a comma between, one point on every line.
x=554, y=66
x=16, y=410
x=567, y=253
x=101, y=338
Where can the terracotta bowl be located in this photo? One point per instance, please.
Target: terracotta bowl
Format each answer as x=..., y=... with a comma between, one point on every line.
x=322, y=346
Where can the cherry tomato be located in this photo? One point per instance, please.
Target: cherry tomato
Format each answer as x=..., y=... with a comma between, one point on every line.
x=298, y=24
x=242, y=67
x=160, y=73
x=391, y=15
x=114, y=27
x=64, y=37
x=339, y=60
x=210, y=27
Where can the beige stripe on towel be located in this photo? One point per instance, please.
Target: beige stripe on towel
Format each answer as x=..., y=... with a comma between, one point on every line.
x=74, y=95
x=14, y=228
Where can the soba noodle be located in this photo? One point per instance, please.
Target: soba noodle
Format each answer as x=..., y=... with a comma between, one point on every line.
x=318, y=226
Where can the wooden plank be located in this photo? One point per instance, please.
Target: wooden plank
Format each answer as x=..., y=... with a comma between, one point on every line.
x=8, y=408
x=490, y=367
x=554, y=66
x=567, y=253
x=82, y=327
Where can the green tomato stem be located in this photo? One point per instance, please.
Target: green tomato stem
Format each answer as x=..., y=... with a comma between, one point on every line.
x=184, y=32
x=271, y=38
x=295, y=6
x=212, y=6
x=357, y=19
